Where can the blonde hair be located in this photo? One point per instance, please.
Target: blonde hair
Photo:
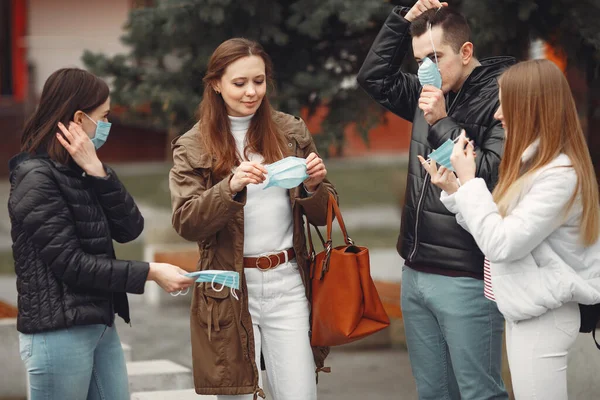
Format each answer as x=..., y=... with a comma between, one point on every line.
x=537, y=104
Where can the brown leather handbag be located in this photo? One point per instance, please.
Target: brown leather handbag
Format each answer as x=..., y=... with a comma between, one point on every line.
x=345, y=303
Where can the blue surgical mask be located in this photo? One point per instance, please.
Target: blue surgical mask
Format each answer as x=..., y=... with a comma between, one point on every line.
x=442, y=154
x=287, y=173
x=102, y=131
x=429, y=73
x=230, y=279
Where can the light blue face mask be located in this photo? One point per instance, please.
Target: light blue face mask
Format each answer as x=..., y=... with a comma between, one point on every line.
x=230, y=279
x=102, y=131
x=429, y=73
x=287, y=173
x=442, y=154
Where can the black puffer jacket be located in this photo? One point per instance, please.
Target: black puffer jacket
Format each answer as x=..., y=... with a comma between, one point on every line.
x=430, y=238
x=63, y=223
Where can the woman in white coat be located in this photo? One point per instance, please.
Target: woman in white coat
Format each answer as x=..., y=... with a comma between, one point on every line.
x=538, y=229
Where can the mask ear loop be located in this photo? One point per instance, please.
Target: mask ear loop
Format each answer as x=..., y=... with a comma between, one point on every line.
x=212, y=285
x=432, y=44
x=232, y=290
x=429, y=27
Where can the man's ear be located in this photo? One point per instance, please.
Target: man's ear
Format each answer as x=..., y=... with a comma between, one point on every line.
x=466, y=53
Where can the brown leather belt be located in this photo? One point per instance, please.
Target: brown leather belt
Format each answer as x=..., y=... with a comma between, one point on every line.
x=267, y=262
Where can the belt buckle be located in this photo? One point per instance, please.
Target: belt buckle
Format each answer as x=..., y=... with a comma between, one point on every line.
x=268, y=257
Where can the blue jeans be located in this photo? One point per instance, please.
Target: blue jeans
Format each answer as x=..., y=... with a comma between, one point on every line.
x=454, y=337
x=78, y=363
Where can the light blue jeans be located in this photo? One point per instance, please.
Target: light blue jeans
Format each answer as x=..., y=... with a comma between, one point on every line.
x=78, y=363
x=454, y=337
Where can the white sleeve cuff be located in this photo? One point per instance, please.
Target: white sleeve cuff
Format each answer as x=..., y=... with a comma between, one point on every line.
x=449, y=201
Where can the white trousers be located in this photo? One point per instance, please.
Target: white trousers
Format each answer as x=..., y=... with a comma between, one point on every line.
x=537, y=351
x=280, y=318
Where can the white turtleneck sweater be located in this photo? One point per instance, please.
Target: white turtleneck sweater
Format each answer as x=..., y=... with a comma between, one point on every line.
x=268, y=221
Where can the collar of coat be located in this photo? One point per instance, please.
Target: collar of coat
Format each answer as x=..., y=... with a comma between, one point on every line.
x=530, y=150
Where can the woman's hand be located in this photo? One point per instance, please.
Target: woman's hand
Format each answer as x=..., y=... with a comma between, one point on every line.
x=315, y=168
x=246, y=173
x=463, y=159
x=169, y=277
x=81, y=149
x=442, y=178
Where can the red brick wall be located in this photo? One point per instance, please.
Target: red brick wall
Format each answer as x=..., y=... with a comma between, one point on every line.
x=132, y=144
x=125, y=144
x=391, y=136
x=11, y=123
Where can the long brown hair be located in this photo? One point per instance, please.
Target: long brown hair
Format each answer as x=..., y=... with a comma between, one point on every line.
x=215, y=128
x=65, y=92
x=537, y=104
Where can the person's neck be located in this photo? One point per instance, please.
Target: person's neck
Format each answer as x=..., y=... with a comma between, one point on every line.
x=466, y=73
x=240, y=124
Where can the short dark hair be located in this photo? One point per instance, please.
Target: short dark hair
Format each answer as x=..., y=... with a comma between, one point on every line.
x=66, y=91
x=455, y=26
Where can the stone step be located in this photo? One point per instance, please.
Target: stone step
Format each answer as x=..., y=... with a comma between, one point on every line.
x=188, y=394
x=583, y=367
x=12, y=378
x=153, y=375
x=127, y=352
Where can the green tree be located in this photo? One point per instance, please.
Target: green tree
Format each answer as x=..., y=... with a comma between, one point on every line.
x=505, y=27
x=317, y=47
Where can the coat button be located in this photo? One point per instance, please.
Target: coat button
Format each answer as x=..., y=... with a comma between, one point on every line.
x=289, y=145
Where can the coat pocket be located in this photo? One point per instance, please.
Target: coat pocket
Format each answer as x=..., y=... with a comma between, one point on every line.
x=215, y=309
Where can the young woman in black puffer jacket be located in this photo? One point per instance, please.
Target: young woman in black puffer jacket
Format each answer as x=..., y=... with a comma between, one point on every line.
x=66, y=208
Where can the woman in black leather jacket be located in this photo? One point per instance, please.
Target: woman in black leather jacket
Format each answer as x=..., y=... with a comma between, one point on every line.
x=66, y=208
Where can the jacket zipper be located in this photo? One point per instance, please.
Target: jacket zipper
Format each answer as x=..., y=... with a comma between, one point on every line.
x=419, y=205
x=105, y=219
x=252, y=362
x=424, y=187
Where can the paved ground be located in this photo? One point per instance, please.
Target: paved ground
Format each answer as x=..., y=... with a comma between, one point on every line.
x=163, y=333
x=356, y=374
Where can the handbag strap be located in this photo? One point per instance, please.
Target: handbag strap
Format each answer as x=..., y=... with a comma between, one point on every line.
x=310, y=241
x=333, y=208
x=312, y=254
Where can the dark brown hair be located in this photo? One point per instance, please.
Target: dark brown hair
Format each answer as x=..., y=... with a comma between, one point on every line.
x=66, y=91
x=455, y=26
x=215, y=129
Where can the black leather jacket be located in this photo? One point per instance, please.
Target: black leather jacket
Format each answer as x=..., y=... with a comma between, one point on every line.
x=430, y=238
x=63, y=225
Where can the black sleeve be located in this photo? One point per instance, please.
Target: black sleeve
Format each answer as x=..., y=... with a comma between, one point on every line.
x=380, y=75
x=39, y=206
x=124, y=218
x=489, y=147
